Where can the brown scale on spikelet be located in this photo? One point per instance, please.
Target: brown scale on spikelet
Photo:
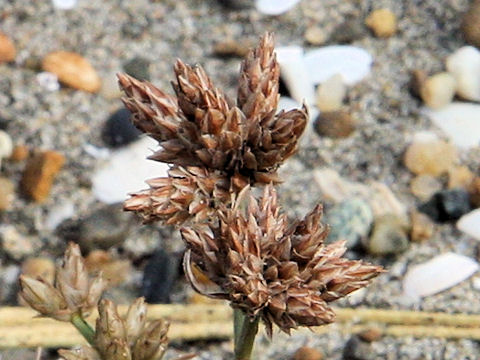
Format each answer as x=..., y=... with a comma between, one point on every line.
x=243, y=144
x=284, y=274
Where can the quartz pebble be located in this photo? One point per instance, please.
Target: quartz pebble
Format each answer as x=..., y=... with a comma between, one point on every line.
x=307, y=353
x=464, y=65
x=438, y=90
x=275, y=7
x=470, y=24
x=7, y=49
x=459, y=176
x=438, y=274
x=389, y=236
x=382, y=22
x=349, y=220
x=424, y=186
x=39, y=174
x=7, y=193
x=73, y=70
x=48, y=81
x=334, y=124
x=64, y=4
x=459, y=121
x=112, y=181
x=39, y=267
x=470, y=224
x=315, y=35
x=331, y=93
x=422, y=227
x=430, y=157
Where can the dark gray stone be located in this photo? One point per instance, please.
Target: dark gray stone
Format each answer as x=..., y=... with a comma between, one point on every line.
x=447, y=205
x=138, y=67
x=357, y=349
x=159, y=276
x=119, y=130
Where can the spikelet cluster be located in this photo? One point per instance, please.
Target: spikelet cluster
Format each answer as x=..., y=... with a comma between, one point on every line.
x=283, y=273
x=74, y=292
x=129, y=338
x=210, y=139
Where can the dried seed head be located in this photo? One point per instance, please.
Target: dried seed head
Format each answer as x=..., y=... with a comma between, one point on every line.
x=82, y=353
x=110, y=331
x=152, y=343
x=240, y=144
x=135, y=320
x=285, y=275
x=44, y=298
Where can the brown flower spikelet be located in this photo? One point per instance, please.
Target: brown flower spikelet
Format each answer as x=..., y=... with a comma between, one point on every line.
x=240, y=144
x=284, y=274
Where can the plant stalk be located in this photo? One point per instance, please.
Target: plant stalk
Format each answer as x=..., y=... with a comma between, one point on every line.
x=244, y=330
x=83, y=328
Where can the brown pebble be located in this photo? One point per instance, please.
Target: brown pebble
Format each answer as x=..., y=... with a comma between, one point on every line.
x=382, y=22
x=334, y=124
x=315, y=35
x=7, y=49
x=40, y=171
x=474, y=190
x=471, y=24
x=7, y=193
x=39, y=267
x=19, y=153
x=424, y=186
x=307, y=353
x=371, y=334
x=231, y=47
x=422, y=227
x=72, y=70
x=114, y=270
x=417, y=79
x=459, y=177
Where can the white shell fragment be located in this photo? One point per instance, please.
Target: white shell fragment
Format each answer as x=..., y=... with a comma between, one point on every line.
x=48, y=81
x=438, y=274
x=470, y=224
x=460, y=122
x=294, y=73
x=126, y=171
x=275, y=7
x=352, y=62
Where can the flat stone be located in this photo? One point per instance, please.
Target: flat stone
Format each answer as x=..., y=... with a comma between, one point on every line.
x=40, y=172
x=470, y=224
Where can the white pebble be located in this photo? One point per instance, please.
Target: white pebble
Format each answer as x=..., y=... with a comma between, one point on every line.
x=64, y=4
x=352, y=62
x=58, y=213
x=460, y=122
x=6, y=145
x=48, y=81
x=464, y=65
x=470, y=224
x=330, y=94
x=275, y=7
x=438, y=274
x=126, y=171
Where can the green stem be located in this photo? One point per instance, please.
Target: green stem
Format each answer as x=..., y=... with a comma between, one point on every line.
x=83, y=328
x=244, y=330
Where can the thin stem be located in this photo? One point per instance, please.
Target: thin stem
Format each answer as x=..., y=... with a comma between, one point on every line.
x=83, y=328
x=244, y=330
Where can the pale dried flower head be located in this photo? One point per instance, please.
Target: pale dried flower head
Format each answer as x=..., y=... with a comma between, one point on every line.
x=201, y=131
x=284, y=274
x=75, y=292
